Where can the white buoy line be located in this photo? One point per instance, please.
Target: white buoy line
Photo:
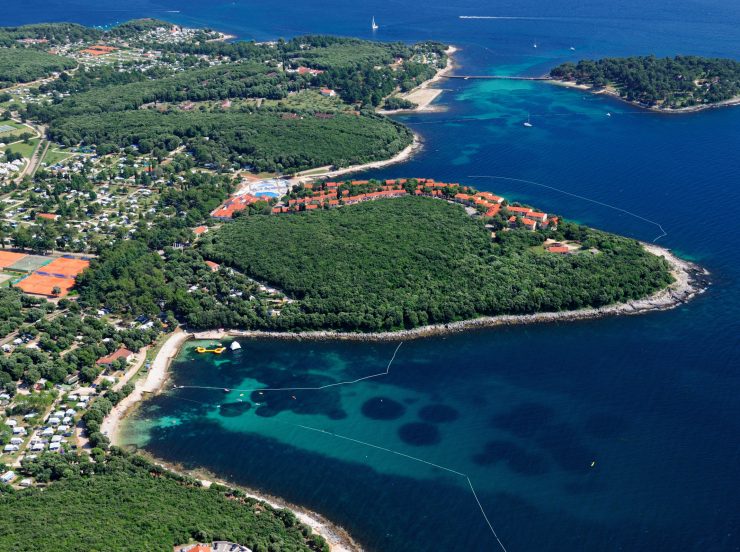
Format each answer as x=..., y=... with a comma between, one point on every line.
x=319, y=388
x=351, y=439
x=625, y=211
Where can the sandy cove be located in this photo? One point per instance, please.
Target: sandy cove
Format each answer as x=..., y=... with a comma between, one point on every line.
x=152, y=383
x=423, y=95
x=615, y=95
x=339, y=540
x=690, y=280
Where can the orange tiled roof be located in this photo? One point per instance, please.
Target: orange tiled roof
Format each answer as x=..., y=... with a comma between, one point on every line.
x=122, y=352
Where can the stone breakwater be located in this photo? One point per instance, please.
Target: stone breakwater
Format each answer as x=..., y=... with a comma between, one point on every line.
x=690, y=281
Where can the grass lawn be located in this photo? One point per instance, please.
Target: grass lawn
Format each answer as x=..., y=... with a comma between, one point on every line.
x=53, y=156
x=537, y=249
x=26, y=150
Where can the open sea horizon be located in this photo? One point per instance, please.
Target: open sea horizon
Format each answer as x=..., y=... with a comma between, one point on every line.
x=620, y=433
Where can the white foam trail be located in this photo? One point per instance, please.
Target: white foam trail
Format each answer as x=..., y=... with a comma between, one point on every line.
x=504, y=17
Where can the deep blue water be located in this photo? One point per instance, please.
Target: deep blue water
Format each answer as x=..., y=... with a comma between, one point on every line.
x=524, y=411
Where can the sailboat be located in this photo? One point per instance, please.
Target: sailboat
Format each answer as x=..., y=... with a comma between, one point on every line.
x=527, y=123
x=373, y=25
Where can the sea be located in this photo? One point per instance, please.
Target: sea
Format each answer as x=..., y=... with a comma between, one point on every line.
x=615, y=434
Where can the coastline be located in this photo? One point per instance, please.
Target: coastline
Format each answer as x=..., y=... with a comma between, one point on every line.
x=690, y=281
x=339, y=540
x=677, y=111
x=404, y=155
x=423, y=95
x=152, y=383
x=424, y=105
x=337, y=537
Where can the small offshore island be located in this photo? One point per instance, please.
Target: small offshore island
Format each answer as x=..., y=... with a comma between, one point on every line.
x=163, y=181
x=670, y=85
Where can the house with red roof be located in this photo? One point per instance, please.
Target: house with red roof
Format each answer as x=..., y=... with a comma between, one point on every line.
x=493, y=210
x=200, y=230
x=529, y=224
x=464, y=198
x=121, y=353
x=539, y=217
x=307, y=71
x=519, y=211
x=47, y=216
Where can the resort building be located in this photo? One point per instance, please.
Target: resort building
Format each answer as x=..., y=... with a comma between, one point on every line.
x=328, y=195
x=232, y=205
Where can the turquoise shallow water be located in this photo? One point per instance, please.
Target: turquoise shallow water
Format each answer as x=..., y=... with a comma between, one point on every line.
x=522, y=411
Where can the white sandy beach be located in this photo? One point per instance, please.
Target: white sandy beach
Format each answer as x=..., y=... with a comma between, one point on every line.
x=152, y=383
x=400, y=157
x=424, y=95
x=338, y=539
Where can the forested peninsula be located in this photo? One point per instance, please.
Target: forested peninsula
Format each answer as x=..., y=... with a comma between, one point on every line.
x=384, y=265
x=681, y=83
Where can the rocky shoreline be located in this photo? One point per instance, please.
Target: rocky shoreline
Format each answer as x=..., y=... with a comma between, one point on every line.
x=690, y=281
x=612, y=94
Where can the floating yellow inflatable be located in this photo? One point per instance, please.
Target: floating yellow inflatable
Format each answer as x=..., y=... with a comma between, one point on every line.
x=217, y=350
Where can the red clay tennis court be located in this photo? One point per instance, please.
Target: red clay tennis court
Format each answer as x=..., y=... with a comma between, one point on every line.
x=65, y=267
x=8, y=258
x=38, y=284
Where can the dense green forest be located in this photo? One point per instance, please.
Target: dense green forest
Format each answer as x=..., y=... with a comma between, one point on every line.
x=124, y=502
x=25, y=65
x=408, y=262
x=261, y=140
x=682, y=81
x=55, y=33
x=103, y=107
x=238, y=80
x=382, y=265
